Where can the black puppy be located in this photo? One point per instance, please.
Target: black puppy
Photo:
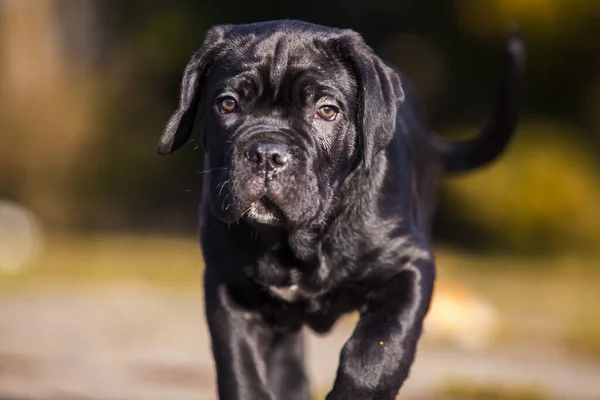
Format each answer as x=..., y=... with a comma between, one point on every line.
x=318, y=200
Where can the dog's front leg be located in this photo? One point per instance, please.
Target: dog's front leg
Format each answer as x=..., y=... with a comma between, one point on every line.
x=287, y=374
x=375, y=361
x=239, y=342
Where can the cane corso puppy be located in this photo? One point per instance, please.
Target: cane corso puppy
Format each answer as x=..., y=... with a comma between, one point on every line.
x=317, y=201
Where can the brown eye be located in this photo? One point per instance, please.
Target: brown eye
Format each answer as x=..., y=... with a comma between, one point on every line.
x=327, y=113
x=227, y=105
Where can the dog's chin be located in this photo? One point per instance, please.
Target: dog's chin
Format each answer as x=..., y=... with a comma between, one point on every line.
x=265, y=211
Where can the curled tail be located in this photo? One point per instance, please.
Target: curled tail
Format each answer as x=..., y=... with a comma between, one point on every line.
x=461, y=156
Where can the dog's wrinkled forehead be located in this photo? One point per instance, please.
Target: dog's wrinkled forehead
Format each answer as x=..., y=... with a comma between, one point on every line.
x=280, y=38
x=290, y=62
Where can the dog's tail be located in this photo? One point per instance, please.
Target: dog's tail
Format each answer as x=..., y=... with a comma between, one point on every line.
x=461, y=156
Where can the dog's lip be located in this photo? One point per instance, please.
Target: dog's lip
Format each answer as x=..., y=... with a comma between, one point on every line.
x=265, y=211
x=271, y=206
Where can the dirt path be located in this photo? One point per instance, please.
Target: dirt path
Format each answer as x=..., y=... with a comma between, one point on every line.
x=125, y=344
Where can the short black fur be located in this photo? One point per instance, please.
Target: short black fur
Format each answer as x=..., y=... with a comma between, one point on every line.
x=304, y=219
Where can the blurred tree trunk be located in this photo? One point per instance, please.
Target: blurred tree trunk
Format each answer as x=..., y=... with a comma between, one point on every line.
x=46, y=95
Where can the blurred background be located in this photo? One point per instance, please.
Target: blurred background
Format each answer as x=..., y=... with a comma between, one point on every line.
x=100, y=273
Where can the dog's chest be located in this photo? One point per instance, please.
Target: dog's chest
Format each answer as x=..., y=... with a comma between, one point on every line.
x=290, y=293
x=289, y=283
x=296, y=270
x=290, y=279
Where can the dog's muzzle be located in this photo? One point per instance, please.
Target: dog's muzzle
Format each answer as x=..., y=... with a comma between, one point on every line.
x=266, y=157
x=267, y=165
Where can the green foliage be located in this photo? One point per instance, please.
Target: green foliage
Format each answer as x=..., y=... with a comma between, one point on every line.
x=543, y=195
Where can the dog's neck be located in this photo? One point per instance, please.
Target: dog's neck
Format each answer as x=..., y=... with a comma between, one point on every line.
x=356, y=202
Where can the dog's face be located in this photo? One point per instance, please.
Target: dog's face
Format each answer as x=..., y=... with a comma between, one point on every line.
x=289, y=109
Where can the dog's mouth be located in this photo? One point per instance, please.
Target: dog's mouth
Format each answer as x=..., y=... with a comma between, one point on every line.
x=265, y=211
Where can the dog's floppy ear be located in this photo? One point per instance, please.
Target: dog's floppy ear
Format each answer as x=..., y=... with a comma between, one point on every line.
x=379, y=94
x=181, y=123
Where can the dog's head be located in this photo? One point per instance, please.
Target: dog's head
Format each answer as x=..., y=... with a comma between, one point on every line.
x=288, y=110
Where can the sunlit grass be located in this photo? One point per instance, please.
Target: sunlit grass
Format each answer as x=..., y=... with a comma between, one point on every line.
x=463, y=390
x=551, y=301
x=554, y=301
x=81, y=261
x=466, y=390
x=583, y=335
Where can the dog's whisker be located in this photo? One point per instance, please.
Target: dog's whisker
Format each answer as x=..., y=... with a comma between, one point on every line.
x=222, y=186
x=223, y=202
x=211, y=170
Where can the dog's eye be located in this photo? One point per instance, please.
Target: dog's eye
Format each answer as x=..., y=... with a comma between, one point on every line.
x=328, y=113
x=228, y=105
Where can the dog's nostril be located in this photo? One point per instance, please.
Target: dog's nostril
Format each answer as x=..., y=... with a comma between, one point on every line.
x=267, y=155
x=253, y=156
x=279, y=159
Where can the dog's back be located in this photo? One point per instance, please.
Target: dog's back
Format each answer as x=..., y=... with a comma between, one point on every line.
x=432, y=155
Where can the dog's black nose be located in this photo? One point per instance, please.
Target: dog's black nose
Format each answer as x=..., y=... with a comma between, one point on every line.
x=267, y=155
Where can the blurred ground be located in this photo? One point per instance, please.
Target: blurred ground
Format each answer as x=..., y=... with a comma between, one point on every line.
x=122, y=318
x=128, y=343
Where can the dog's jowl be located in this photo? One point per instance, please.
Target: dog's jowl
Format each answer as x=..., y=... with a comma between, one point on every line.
x=317, y=201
